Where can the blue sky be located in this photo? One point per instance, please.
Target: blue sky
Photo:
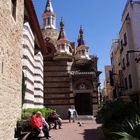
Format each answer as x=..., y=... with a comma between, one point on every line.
x=101, y=21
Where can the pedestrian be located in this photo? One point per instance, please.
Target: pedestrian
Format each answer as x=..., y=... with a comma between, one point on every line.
x=72, y=114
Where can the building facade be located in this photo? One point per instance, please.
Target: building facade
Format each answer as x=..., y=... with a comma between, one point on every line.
x=127, y=54
x=108, y=85
x=11, y=24
x=70, y=74
x=116, y=74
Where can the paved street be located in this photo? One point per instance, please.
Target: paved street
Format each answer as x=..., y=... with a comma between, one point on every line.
x=72, y=131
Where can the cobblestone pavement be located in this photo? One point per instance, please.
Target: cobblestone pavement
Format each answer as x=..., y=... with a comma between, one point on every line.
x=89, y=130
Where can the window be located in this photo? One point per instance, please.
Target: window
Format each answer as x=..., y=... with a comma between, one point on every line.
x=125, y=39
x=63, y=47
x=13, y=8
x=127, y=17
x=83, y=52
x=130, y=81
x=80, y=52
x=123, y=64
x=70, y=50
x=127, y=59
x=121, y=79
x=121, y=49
x=52, y=21
x=48, y=20
x=111, y=78
x=126, y=86
x=112, y=60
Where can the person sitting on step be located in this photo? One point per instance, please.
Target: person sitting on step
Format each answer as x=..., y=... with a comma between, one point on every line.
x=38, y=126
x=55, y=118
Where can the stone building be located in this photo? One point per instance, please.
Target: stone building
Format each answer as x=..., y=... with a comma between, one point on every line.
x=70, y=74
x=21, y=48
x=116, y=75
x=11, y=29
x=128, y=53
x=129, y=40
x=108, y=85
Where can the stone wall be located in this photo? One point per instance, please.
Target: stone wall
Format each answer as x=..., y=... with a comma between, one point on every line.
x=10, y=67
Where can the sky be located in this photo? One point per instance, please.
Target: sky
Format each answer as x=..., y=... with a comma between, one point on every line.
x=100, y=19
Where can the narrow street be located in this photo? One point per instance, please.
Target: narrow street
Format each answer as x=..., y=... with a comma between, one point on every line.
x=89, y=130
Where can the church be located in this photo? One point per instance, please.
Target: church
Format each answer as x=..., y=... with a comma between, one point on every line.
x=71, y=77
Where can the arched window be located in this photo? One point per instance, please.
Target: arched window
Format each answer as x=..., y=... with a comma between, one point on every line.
x=52, y=21
x=63, y=47
x=83, y=52
x=70, y=50
x=48, y=20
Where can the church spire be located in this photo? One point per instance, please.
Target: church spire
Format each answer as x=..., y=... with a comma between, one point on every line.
x=49, y=17
x=82, y=49
x=62, y=32
x=80, y=38
x=49, y=7
x=64, y=49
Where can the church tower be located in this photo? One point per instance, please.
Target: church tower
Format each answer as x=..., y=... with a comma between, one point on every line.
x=49, y=17
x=57, y=64
x=49, y=23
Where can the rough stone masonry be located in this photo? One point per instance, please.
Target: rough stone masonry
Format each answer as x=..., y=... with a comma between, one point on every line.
x=11, y=26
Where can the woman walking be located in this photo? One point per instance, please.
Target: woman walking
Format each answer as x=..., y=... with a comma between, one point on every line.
x=72, y=114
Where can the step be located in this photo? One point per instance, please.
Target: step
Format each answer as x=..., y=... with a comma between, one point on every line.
x=85, y=117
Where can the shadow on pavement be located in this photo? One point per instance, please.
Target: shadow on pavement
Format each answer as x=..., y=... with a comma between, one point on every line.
x=93, y=134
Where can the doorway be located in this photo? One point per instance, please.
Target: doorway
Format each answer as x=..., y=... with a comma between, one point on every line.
x=83, y=103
